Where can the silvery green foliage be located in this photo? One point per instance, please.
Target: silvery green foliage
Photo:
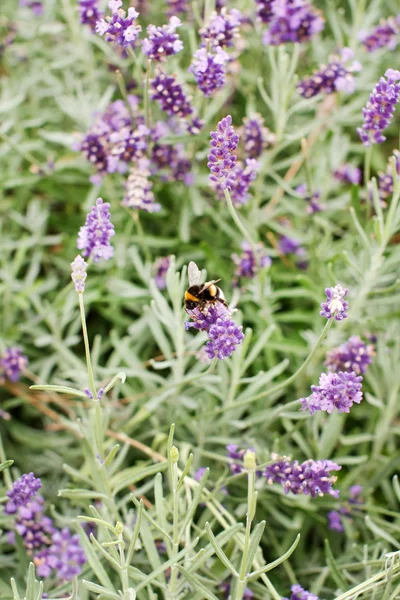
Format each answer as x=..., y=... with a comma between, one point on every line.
x=118, y=463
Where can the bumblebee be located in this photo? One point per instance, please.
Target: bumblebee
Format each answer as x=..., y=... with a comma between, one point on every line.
x=199, y=294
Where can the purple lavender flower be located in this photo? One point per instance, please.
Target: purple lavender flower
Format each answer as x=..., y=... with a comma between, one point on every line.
x=223, y=333
x=236, y=455
x=310, y=477
x=22, y=492
x=13, y=363
x=384, y=35
x=222, y=29
x=246, y=263
x=353, y=355
x=385, y=185
x=35, y=6
x=170, y=96
x=127, y=145
x=337, y=76
x=209, y=69
x=160, y=268
x=94, y=237
x=293, y=21
x=33, y=526
x=138, y=190
x=256, y=137
x=313, y=204
x=380, y=108
x=225, y=588
x=176, y=7
x=299, y=593
x=354, y=494
x=120, y=27
x=264, y=10
x=66, y=555
x=221, y=158
x=169, y=162
x=242, y=176
x=335, y=522
x=348, y=173
x=335, y=305
x=89, y=13
x=338, y=390
x=78, y=273
x=162, y=41
x=198, y=474
x=288, y=245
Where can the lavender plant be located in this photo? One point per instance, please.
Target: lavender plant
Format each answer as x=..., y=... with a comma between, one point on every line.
x=152, y=447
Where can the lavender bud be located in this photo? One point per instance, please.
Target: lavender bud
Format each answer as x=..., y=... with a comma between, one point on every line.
x=94, y=237
x=221, y=158
x=78, y=273
x=138, y=191
x=160, y=268
x=120, y=27
x=13, y=363
x=335, y=305
x=22, y=492
x=380, y=108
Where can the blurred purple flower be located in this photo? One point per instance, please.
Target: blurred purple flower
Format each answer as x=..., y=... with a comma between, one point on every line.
x=198, y=474
x=13, y=363
x=170, y=96
x=264, y=10
x=225, y=588
x=380, y=108
x=160, y=268
x=237, y=456
x=94, y=237
x=120, y=27
x=384, y=35
x=337, y=76
x=169, y=163
x=336, y=517
x=138, y=190
x=310, y=477
x=348, y=173
x=162, y=41
x=335, y=522
x=335, y=305
x=385, y=185
x=209, y=69
x=66, y=555
x=221, y=158
x=223, y=333
x=176, y=7
x=36, y=6
x=353, y=355
x=299, y=593
x=242, y=177
x=222, y=28
x=246, y=263
x=338, y=390
x=22, y=492
x=293, y=21
x=313, y=204
x=33, y=526
x=256, y=137
x=89, y=13
x=78, y=273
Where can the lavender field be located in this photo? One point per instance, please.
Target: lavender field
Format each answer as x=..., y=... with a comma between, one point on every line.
x=199, y=300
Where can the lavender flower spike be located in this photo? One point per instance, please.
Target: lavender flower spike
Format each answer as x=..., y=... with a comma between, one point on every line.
x=160, y=268
x=22, y=492
x=335, y=391
x=384, y=35
x=221, y=158
x=94, y=236
x=380, y=108
x=78, y=273
x=162, y=41
x=223, y=333
x=209, y=69
x=170, y=96
x=335, y=305
x=66, y=555
x=309, y=478
x=12, y=363
x=120, y=27
x=89, y=13
x=138, y=190
x=292, y=21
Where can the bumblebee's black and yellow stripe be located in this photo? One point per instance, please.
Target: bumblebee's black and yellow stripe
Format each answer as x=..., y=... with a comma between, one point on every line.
x=199, y=295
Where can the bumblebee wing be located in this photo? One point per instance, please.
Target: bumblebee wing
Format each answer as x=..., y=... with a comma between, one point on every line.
x=208, y=284
x=194, y=274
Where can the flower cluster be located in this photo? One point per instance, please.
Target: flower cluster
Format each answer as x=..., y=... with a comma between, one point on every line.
x=22, y=492
x=94, y=237
x=264, y=10
x=138, y=190
x=299, y=593
x=162, y=41
x=160, y=268
x=384, y=35
x=313, y=204
x=347, y=173
x=169, y=162
x=120, y=27
x=335, y=517
x=33, y=526
x=35, y=6
x=78, y=273
x=170, y=96
x=221, y=158
x=256, y=137
x=337, y=76
x=293, y=21
x=335, y=305
x=12, y=363
x=65, y=556
x=380, y=108
x=336, y=390
x=385, y=185
x=353, y=355
x=222, y=29
x=209, y=69
x=247, y=263
x=89, y=13
x=236, y=457
x=223, y=333
x=309, y=478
